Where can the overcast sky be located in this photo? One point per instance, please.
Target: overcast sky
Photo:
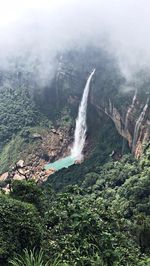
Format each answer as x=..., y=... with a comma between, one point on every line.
x=46, y=26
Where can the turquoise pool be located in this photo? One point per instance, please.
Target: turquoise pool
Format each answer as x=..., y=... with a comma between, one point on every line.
x=61, y=163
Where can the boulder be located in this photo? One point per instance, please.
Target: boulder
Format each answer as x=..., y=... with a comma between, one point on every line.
x=18, y=177
x=36, y=136
x=20, y=164
x=4, y=176
x=54, y=131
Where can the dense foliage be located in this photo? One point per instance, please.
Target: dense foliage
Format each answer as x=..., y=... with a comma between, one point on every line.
x=105, y=221
x=20, y=225
x=16, y=111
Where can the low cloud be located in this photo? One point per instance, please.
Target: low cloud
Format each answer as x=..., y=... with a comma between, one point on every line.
x=38, y=30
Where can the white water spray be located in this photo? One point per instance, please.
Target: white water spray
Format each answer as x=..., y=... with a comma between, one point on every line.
x=138, y=125
x=81, y=126
x=130, y=109
x=129, y=112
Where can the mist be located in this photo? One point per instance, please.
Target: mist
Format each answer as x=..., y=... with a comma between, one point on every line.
x=38, y=30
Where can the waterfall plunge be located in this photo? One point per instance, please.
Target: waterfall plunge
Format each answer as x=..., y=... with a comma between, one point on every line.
x=138, y=125
x=81, y=127
x=130, y=109
x=129, y=112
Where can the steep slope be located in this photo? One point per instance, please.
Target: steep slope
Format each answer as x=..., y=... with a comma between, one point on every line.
x=28, y=104
x=96, y=213
x=105, y=220
x=121, y=100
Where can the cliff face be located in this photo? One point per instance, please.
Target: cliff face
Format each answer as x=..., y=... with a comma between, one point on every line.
x=128, y=124
x=124, y=107
x=25, y=105
x=29, y=104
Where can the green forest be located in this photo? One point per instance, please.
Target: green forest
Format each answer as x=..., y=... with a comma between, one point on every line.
x=103, y=220
x=94, y=213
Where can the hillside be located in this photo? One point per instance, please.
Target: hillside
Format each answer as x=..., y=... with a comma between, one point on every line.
x=93, y=213
x=103, y=221
x=25, y=105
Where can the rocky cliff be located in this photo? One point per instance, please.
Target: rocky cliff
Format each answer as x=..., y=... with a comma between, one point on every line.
x=111, y=98
x=123, y=102
x=41, y=149
x=126, y=124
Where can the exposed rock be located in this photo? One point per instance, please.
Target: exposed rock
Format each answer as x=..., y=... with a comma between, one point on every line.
x=4, y=176
x=20, y=164
x=6, y=189
x=61, y=137
x=54, y=131
x=144, y=137
x=127, y=133
x=36, y=136
x=51, y=148
x=54, y=145
x=18, y=177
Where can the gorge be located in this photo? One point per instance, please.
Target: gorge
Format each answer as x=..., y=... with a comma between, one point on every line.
x=109, y=190
x=74, y=133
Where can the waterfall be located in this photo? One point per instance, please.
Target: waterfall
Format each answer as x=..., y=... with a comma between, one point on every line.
x=129, y=111
x=138, y=125
x=81, y=127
